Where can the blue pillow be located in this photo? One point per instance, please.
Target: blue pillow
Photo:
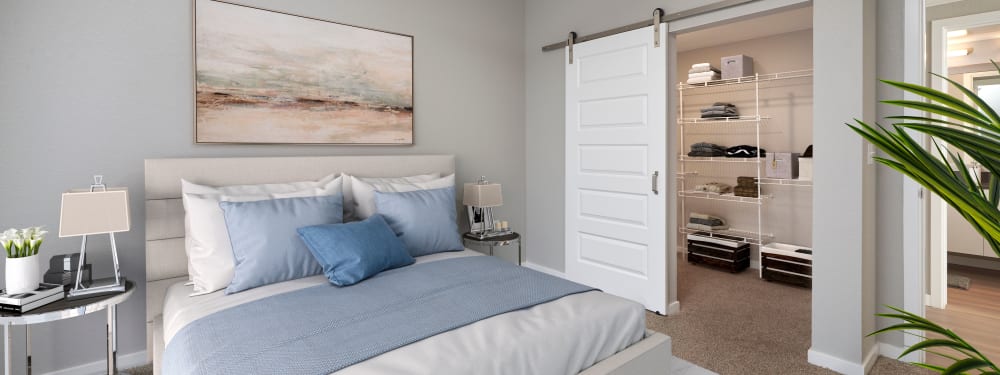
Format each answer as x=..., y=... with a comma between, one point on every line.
x=266, y=247
x=352, y=252
x=424, y=219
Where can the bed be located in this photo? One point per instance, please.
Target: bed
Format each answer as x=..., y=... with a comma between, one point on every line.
x=588, y=333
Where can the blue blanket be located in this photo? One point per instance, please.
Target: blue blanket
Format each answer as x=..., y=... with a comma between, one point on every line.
x=322, y=329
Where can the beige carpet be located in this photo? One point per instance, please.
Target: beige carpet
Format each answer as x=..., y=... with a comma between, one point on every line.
x=740, y=324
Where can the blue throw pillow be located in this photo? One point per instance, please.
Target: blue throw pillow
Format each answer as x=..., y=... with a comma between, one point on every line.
x=424, y=219
x=352, y=252
x=266, y=247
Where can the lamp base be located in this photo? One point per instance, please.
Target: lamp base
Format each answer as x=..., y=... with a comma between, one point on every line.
x=97, y=288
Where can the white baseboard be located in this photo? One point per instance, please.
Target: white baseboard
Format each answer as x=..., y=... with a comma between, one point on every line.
x=544, y=269
x=836, y=364
x=100, y=367
x=871, y=358
x=674, y=308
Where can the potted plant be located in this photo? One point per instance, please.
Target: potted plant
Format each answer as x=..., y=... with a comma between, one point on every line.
x=972, y=127
x=22, y=258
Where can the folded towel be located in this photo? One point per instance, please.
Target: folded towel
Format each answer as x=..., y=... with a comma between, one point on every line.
x=701, y=65
x=714, y=187
x=705, y=69
x=697, y=80
x=703, y=74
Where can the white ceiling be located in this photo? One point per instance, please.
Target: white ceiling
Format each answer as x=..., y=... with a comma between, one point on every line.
x=752, y=28
x=984, y=42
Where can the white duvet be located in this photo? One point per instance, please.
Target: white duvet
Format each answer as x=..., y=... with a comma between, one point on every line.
x=564, y=336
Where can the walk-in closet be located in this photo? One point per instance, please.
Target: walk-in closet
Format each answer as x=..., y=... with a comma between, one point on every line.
x=744, y=166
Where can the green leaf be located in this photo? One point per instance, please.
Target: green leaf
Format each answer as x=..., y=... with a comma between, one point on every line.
x=965, y=365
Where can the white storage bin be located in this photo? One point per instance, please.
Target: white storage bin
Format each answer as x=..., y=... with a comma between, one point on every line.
x=786, y=249
x=737, y=66
x=806, y=169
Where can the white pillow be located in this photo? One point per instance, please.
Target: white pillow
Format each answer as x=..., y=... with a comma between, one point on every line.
x=209, y=252
x=350, y=203
x=364, y=191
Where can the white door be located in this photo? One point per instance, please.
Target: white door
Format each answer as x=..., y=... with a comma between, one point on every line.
x=616, y=160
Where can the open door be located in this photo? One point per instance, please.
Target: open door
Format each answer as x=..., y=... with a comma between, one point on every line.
x=616, y=161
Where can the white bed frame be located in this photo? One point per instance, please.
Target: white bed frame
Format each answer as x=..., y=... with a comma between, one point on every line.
x=166, y=262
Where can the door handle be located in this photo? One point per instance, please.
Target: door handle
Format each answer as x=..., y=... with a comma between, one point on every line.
x=656, y=181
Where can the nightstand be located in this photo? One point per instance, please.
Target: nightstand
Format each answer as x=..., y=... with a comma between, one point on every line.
x=499, y=241
x=65, y=309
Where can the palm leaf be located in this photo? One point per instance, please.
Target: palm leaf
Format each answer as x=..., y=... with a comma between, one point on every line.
x=971, y=130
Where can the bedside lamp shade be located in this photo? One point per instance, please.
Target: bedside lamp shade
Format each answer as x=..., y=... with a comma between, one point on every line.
x=94, y=212
x=482, y=195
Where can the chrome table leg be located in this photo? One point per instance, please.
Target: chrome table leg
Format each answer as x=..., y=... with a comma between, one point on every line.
x=112, y=339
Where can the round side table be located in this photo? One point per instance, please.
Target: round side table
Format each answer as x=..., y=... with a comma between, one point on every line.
x=65, y=309
x=492, y=242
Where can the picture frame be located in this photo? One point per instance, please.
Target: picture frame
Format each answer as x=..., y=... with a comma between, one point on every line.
x=268, y=77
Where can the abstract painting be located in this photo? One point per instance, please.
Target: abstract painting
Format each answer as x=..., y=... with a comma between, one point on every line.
x=269, y=77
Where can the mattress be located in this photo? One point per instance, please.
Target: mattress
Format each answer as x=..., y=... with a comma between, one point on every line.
x=564, y=336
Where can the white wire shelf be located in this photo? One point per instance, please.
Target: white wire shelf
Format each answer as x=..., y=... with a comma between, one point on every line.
x=785, y=182
x=718, y=159
x=728, y=197
x=748, y=79
x=722, y=120
x=751, y=237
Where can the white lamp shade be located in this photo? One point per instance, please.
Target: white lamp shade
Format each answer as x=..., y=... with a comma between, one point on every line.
x=85, y=213
x=482, y=195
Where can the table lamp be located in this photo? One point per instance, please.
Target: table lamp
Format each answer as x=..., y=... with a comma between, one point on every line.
x=482, y=196
x=98, y=210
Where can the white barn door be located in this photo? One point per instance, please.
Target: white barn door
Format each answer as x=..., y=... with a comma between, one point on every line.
x=616, y=162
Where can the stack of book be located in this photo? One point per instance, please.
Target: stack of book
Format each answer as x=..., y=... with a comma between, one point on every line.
x=24, y=302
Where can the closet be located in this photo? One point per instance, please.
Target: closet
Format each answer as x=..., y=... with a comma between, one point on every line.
x=743, y=181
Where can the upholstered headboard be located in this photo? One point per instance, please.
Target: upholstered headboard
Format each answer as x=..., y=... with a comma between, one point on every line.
x=166, y=261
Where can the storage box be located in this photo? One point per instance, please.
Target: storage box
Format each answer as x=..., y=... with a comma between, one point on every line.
x=783, y=165
x=786, y=263
x=737, y=66
x=718, y=250
x=806, y=169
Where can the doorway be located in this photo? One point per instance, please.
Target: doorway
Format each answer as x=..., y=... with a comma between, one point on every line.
x=964, y=271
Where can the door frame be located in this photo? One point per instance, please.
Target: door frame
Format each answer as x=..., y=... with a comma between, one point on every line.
x=937, y=224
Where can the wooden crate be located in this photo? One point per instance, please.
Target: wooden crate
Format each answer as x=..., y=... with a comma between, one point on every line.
x=779, y=262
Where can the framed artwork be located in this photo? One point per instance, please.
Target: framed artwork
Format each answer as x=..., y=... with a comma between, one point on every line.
x=268, y=77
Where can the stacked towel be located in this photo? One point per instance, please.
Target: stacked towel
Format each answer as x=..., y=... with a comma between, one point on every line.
x=702, y=72
x=720, y=110
x=746, y=187
x=706, y=222
x=745, y=151
x=707, y=149
x=714, y=187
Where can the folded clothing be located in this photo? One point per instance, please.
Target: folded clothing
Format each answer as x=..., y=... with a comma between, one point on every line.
x=720, y=109
x=703, y=79
x=714, y=187
x=705, y=149
x=703, y=69
x=745, y=151
x=707, y=73
x=696, y=226
x=746, y=181
x=706, y=222
x=701, y=65
x=745, y=191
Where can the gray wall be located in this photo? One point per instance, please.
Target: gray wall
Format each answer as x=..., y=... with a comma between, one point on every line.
x=98, y=86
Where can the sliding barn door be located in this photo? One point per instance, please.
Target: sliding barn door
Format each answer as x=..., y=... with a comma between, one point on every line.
x=616, y=100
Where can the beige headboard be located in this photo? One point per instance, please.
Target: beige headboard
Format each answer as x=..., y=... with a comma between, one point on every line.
x=166, y=262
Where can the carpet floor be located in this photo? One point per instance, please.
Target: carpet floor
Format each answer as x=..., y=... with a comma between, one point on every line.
x=740, y=324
